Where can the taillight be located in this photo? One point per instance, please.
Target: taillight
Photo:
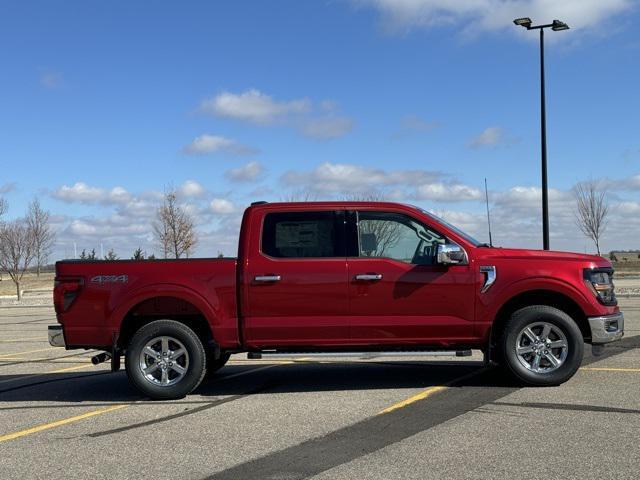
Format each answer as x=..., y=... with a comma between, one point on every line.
x=65, y=291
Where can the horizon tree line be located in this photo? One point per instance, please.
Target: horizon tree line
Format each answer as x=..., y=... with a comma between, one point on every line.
x=27, y=242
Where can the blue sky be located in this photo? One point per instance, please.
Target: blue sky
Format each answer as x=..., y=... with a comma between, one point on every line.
x=103, y=105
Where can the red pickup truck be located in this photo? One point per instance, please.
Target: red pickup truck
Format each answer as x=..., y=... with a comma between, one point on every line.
x=338, y=276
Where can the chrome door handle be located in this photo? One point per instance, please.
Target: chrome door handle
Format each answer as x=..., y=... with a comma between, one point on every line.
x=267, y=278
x=369, y=276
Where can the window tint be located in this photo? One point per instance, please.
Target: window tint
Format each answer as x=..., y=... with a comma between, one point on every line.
x=397, y=236
x=303, y=235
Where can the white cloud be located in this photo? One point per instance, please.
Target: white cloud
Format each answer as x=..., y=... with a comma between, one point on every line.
x=489, y=137
x=326, y=128
x=222, y=206
x=630, y=183
x=50, y=79
x=253, y=106
x=191, y=188
x=250, y=172
x=80, y=192
x=472, y=16
x=7, y=187
x=207, y=144
x=350, y=178
x=441, y=192
x=321, y=121
x=410, y=123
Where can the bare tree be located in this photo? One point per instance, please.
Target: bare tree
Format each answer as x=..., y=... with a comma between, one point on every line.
x=300, y=195
x=174, y=229
x=387, y=233
x=16, y=250
x=4, y=206
x=592, y=208
x=43, y=236
x=111, y=255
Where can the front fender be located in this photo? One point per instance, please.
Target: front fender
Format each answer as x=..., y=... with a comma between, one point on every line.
x=491, y=302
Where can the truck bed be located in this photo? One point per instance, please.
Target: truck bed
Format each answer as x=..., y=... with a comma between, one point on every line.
x=110, y=291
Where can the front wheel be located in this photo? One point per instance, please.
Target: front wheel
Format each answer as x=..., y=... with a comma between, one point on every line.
x=165, y=359
x=542, y=346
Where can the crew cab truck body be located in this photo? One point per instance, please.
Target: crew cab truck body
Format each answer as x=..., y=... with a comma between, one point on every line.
x=338, y=276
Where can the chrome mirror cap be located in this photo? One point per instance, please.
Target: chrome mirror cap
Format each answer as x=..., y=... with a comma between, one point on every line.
x=451, y=254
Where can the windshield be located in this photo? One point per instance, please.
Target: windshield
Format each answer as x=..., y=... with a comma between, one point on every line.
x=464, y=235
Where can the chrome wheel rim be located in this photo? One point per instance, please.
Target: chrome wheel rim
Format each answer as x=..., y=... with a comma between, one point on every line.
x=164, y=361
x=541, y=347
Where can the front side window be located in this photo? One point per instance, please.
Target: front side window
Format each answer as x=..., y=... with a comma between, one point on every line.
x=397, y=236
x=303, y=235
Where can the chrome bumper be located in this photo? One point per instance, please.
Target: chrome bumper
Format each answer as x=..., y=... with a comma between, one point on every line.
x=56, y=337
x=608, y=328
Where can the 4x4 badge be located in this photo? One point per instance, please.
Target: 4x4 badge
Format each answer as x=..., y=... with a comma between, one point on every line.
x=110, y=279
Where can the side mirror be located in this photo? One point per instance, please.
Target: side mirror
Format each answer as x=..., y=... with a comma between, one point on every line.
x=451, y=254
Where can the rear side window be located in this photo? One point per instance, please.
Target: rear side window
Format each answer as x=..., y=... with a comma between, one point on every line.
x=303, y=234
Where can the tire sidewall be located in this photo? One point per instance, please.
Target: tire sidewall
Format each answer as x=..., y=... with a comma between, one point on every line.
x=191, y=342
x=528, y=315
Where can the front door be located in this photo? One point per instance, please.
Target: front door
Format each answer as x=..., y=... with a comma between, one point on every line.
x=398, y=291
x=297, y=281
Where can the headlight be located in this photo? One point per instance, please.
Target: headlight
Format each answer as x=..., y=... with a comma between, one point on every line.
x=600, y=282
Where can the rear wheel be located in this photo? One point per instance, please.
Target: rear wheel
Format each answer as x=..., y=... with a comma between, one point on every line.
x=542, y=345
x=165, y=359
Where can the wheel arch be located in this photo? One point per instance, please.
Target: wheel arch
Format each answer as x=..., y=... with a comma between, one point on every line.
x=179, y=304
x=551, y=298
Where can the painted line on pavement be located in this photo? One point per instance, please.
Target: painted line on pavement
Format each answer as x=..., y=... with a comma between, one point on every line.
x=430, y=391
x=58, y=423
x=24, y=353
x=611, y=369
x=420, y=396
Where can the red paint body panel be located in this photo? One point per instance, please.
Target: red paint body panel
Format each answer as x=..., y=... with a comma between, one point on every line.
x=318, y=303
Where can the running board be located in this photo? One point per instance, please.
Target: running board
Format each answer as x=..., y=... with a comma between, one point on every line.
x=364, y=355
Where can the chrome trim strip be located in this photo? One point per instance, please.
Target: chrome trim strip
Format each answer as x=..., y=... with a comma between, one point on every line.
x=599, y=331
x=369, y=276
x=268, y=278
x=490, y=277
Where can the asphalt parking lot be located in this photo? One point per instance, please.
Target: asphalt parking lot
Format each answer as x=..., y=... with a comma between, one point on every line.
x=332, y=418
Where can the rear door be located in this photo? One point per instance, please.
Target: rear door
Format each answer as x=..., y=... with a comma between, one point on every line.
x=398, y=291
x=296, y=280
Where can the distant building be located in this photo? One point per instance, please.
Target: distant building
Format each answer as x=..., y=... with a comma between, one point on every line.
x=629, y=256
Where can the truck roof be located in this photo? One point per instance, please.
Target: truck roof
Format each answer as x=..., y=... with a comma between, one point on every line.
x=330, y=204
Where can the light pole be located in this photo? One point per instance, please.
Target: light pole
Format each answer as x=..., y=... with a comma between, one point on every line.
x=557, y=25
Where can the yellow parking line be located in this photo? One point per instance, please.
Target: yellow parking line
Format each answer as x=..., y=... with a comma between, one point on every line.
x=70, y=369
x=24, y=353
x=58, y=423
x=38, y=375
x=420, y=396
x=34, y=340
x=431, y=390
x=608, y=369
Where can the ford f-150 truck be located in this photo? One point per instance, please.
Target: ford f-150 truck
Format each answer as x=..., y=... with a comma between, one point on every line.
x=338, y=276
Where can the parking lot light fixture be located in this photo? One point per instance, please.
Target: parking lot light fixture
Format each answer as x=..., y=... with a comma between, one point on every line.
x=556, y=26
x=523, y=22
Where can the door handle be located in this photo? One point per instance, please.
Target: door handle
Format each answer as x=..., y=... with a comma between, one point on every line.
x=370, y=277
x=267, y=278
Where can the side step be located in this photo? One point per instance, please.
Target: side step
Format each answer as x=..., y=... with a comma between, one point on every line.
x=364, y=355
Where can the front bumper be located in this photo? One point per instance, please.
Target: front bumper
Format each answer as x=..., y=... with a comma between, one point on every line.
x=56, y=336
x=607, y=328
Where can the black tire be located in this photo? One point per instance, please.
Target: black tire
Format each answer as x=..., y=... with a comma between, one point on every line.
x=194, y=360
x=560, y=322
x=213, y=365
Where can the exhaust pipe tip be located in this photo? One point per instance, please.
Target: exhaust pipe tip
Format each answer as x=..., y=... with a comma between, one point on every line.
x=101, y=357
